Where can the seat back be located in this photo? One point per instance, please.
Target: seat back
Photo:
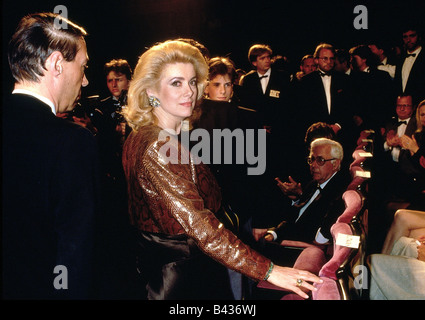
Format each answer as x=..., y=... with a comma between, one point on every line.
x=344, y=233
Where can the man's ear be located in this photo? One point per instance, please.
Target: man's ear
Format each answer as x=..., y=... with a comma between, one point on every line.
x=54, y=63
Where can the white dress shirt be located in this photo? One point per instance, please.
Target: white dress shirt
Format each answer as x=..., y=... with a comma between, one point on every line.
x=326, y=80
x=407, y=67
x=265, y=81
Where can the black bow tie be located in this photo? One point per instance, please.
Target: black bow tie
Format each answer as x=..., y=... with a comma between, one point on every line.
x=324, y=73
x=401, y=122
x=410, y=55
x=265, y=76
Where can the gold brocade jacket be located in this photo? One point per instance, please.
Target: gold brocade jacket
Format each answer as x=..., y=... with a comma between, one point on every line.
x=171, y=194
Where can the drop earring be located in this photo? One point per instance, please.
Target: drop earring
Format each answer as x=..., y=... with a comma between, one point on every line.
x=154, y=101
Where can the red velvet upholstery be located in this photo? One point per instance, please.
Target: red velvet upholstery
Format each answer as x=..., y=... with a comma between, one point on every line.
x=353, y=204
x=358, y=159
x=328, y=290
x=311, y=259
x=298, y=244
x=340, y=252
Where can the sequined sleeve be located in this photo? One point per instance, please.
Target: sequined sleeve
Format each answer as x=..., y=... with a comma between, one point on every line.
x=176, y=186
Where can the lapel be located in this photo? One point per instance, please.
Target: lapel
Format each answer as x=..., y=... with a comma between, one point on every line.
x=411, y=126
x=322, y=93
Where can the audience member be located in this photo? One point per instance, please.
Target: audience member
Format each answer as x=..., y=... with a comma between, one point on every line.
x=342, y=61
x=399, y=272
x=317, y=206
x=264, y=89
x=172, y=204
x=410, y=72
x=385, y=63
x=416, y=146
x=219, y=112
x=307, y=65
x=118, y=76
x=373, y=91
x=267, y=90
x=117, y=274
x=50, y=189
x=400, y=182
x=316, y=130
x=324, y=96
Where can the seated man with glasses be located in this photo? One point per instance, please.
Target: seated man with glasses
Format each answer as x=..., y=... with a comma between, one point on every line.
x=315, y=208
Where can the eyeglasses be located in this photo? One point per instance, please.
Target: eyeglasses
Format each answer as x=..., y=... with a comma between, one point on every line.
x=319, y=160
x=326, y=58
x=404, y=106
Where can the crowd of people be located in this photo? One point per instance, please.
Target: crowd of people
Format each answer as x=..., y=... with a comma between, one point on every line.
x=91, y=185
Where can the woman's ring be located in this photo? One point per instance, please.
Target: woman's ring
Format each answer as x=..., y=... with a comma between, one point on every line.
x=299, y=282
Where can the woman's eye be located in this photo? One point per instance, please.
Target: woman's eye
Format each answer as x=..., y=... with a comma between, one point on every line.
x=193, y=82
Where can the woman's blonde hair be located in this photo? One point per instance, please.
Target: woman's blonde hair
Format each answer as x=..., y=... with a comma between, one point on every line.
x=147, y=74
x=419, y=126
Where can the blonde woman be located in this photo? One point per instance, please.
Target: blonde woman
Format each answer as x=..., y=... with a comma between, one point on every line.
x=182, y=248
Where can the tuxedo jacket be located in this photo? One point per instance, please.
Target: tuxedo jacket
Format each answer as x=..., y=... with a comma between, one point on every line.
x=321, y=213
x=373, y=96
x=49, y=203
x=311, y=99
x=415, y=85
x=272, y=104
x=404, y=158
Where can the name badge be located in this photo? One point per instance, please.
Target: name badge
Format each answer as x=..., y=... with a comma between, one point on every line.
x=347, y=240
x=274, y=93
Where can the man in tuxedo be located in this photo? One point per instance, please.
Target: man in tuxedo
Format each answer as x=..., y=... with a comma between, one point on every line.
x=315, y=208
x=399, y=173
x=373, y=89
x=266, y=90
x=49, y=165
x=410, y=72
x=324, y=96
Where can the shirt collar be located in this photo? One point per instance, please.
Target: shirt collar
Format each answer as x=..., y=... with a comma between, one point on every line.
x=323, y=185
x=416, y=51
x=407, y=120
x=268, y=72
x=37, y=96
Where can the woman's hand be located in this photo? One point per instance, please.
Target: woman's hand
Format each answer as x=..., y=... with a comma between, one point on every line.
x=409, y=144
x=294, y=280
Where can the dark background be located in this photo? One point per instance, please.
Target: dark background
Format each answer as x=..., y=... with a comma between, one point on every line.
x=123, y=29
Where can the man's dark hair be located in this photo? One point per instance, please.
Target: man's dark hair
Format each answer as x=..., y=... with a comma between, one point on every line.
x=221, y=66
x=257, y=50
x=119, y=66
x=36, y=37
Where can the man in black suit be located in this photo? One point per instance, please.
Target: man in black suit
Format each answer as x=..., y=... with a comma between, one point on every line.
x=400, y=179
x=49, y=165
x=265, y=89
x=410, y=72
x=314, y=208
x=373, y=90
x=324, y=96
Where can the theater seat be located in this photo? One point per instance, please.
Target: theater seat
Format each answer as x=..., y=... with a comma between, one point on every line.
x=338, y=273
